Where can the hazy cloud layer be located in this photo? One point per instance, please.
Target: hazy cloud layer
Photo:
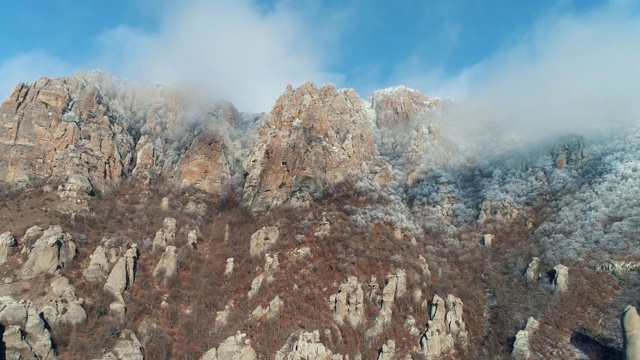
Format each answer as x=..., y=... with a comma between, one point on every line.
x=233, y=47
x=570, y=74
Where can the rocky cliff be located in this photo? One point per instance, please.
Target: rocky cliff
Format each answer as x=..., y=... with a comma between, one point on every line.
x=149, y=221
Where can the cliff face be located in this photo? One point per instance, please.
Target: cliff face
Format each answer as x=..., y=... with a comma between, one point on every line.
x=93, y=127
x=314, y=138
x=274, y=271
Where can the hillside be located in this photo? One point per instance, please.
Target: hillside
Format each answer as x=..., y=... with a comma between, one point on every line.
x=148, y=221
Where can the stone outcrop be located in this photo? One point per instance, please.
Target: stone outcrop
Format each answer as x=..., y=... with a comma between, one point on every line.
x=561, y=278
x=571, y=152
x=269, y=312
x=348, y=302
x=446, y=331
x=25, y=330
x=192, y=239
x=52, y=251
x=165, y=236
x=127, y=347
x=91, y=131
x=271, y=263
x=487, y=239
x=398, y=106
x=304, y=345
x=631, y=329
x=532, y=273
x=228, y=269
x=521, y=348
x=388, y=351
x=234, y=347
x=323, y=230
x=61, y=306
x=263, y=239
x=7, y=242
x=98, y=268
x=122, y=274
x=313, y=139
x=168, y=265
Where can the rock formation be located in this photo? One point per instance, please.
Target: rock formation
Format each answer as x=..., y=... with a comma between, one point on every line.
x=271, y=263
x=168, y=264
x=388, y=351
x=263, y=239
x=560, y=279
x=269, y=312
x=487, y=239
x=7, y=241
x=348, y=302
x=532, y=273
x=98, y=268
x=192, y=239
x=52, y=251
x=446, y=330
x=127, y=347
x=305, y=345
x=631, y=329
x=61, y=306
x=122, y=274
x=571, y=152
x=521, y=348
x=228, y=269
x=25, y=330
x=92, y=131
x=165, y=236
x=234, y=347
x=323, y=230
x=314, y=138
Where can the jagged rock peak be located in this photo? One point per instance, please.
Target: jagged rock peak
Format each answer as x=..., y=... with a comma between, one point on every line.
x=91, y=126
x=399, y=105
x=314, y=138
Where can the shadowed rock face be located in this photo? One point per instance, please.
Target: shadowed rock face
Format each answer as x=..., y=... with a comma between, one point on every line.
x=313, y=138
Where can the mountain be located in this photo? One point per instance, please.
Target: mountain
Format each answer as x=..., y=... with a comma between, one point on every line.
x=150, y=221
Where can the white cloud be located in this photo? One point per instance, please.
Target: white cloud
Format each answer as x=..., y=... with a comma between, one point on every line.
x=237, y=51
x=570, y=74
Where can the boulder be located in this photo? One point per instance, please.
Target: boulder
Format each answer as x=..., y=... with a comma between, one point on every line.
x=560, y=279
x=228, y=270
x=487, y=239
x=52, y=251
x=168, y=264
x=631, y=329
x=532, y=273
x=122, y=274
x=192, y=239
x=61, y=306
x=98, y=268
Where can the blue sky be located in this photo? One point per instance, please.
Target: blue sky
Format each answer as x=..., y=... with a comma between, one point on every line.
x=249, y=50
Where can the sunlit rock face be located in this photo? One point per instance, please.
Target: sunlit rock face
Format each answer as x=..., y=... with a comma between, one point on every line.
x=314, y=138
x=93, y=127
